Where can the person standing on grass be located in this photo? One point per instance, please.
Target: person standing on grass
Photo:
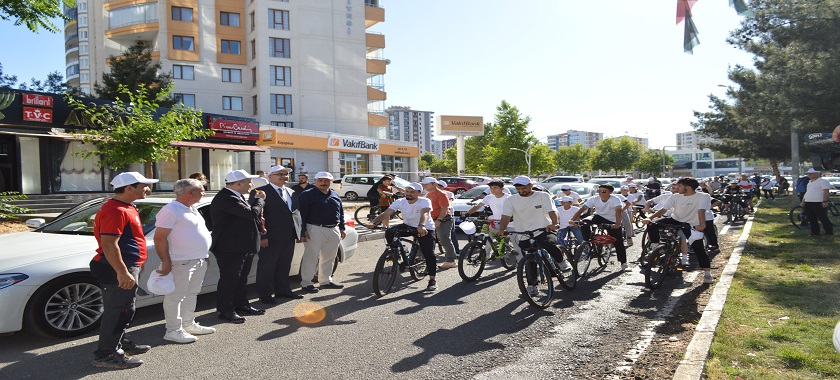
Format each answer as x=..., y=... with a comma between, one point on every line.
x=815, y=203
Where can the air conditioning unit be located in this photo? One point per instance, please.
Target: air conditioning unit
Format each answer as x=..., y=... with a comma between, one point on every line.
x=141, y=43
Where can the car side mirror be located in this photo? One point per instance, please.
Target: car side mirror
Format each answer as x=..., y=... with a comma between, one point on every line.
x=35, y=223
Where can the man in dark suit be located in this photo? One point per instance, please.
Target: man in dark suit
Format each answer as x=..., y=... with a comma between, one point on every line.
x=237, y=228
x=277, y=246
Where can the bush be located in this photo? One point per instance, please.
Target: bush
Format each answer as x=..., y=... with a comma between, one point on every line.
x=8, y=211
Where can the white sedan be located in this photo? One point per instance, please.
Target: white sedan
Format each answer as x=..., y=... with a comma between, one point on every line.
x=45, y=281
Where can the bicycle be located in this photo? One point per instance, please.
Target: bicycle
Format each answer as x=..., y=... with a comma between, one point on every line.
x=665, y=258
x=638, y=215
x=483, y=247
x=395, y=260
x=365, y=215
x=599, y=245
x=797, y=215
x=735, y=211
x=535, y=272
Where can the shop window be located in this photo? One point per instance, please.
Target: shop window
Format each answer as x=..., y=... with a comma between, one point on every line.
x=75, y=173
x=222, y=162
x=30, y=164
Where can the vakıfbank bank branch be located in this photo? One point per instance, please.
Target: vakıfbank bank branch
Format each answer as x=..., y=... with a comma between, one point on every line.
x=338, y=154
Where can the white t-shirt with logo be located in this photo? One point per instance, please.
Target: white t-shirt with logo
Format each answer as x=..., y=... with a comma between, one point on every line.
x=411, y=213
x=684, y=208
x=605, y=209
x=189, y=238
x=495, y=204
x=531, y=212
x=815, y=189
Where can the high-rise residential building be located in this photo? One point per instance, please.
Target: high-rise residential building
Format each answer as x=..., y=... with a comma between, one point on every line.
x=406, y=124
x=440, y=146
x=300, y=68
x=693, y=140
x=572, y=137
x=644, y=142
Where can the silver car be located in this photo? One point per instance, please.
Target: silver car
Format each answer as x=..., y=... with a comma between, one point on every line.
x=46, y=285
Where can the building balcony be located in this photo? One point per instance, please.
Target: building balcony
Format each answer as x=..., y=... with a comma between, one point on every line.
x=374, y=41
x=138, y=32
x=376, y=66
x=377, y=120
x=373, y=14
x=375, y=94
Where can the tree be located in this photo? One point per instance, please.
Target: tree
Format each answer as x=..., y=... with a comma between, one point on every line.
x=617, y=155
x=54, y=82
x=8, y=210
x=35, y=14
x=651, y=161
x=129, y=132
x=426, y=161
x=135, y=70
x=573, y=159
x=474, y=150
x=510, y=130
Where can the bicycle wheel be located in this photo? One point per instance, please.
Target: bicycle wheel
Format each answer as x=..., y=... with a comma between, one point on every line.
x=472, y=260
x=365, y=215
x=645, y=248
x=638, y=220
x=535, y=282
x=796, y=217
x=603, y=255
x=657, y=267
x=417, y=269
x=508, y=258
x=583, y=258
x=568, y=278
x=386, y=272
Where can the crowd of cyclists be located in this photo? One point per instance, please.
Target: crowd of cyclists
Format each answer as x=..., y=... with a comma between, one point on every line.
x=612, y=218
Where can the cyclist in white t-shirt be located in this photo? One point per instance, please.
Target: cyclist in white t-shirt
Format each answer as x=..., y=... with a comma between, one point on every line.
x=566, y=191
x=495, y=201
x=608, y=210
x=565, y=214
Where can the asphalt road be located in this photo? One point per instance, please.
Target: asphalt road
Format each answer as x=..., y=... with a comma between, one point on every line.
x=464, y=330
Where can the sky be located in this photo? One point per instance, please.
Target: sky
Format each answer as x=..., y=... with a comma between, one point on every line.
x=610, y=66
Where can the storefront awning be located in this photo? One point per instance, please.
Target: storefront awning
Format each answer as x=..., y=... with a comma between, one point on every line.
x=35, y=134
x=194, y=144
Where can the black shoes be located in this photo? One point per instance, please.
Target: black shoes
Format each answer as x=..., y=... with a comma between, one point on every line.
x=249, y=310
x=289, y=295
x=116, y=361
x=131, y=348
x=310, y=289
x=268, y=300
x=333, y=285
x=231, y=317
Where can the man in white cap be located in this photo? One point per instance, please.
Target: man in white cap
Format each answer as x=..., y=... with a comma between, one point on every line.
x=322, y=215
x=416, y=222
x=116, y=266
x=182, y=241
x=443, y=220
x=237, y=231
x=442, y=187
x=567, y=210
x=566, y=191
x=277, y=246
x=627, y=181
x=815, y=202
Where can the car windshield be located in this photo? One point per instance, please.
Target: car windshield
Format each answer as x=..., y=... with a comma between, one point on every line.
x=475, y=191
x=401, y=183
x=80, y=222
x=580, y=188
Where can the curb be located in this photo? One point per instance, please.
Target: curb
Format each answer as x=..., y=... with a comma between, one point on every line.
x=694, y=360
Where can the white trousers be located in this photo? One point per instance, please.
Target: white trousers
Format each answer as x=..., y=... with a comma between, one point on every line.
x=319, y=254
x=179, y=306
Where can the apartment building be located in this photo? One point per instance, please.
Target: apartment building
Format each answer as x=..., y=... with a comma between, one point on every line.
x=299, y=68
x=440, y=146
x=644, y=142
x=693, y=140
x=406, y=124
x=572, y=137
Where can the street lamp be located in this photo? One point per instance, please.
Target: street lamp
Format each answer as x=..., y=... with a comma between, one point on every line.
x=527, y=157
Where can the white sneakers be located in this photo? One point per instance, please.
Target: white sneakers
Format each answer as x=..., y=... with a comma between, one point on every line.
x=197, y=329
x=447, y=265
x=532, y=290
x=625, y=267
x=180, y=336
x=707, y=278
x=564, y=265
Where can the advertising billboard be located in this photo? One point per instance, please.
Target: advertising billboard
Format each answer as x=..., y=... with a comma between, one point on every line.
x=448, y=125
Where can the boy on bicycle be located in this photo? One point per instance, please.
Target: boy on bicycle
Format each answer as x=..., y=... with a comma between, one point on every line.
x=608, y=210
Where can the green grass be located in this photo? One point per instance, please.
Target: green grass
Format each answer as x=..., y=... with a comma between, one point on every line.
x=783, y=272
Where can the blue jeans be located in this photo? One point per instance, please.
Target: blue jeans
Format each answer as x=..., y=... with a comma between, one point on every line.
x=561, y=236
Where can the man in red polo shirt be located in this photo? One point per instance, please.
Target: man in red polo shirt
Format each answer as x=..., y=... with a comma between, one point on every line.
x=116, y=266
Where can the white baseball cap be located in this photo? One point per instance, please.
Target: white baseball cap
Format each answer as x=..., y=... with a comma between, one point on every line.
x=160, y=285
x=631, y=185
x=238, y=175
x=565, y=187
x=812, y=171
x=521, y=181
x=326, y=175
x=625, y=188
x=415, y=186
x=428, y=180
x=130, y=178
x=441, y=182
x=566, y=199
x=278, y=168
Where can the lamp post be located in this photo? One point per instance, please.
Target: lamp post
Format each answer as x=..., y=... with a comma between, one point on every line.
x=527, y=157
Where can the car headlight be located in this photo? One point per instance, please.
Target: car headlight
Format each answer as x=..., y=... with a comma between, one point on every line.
x=9, y=279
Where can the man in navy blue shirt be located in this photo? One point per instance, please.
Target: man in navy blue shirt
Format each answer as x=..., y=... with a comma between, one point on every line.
x=322, y=217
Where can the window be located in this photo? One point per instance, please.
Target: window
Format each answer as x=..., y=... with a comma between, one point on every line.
x=281, y=76
x=255, y=104
x=83, y=48
x=279, y=47
x=232, y=75
x=85, y=77
x=703, y=164
x=182, y=14
x=84, y=62
x=230, y=47
x=284, y=124
x=81, y=6
x=183, y=72
x=281, y=104
x=183, y=43
x=704, y=156
x=188, y=100
x=253, y=22
x=254, y=77
x=278, y=19
x=229, y=19
x=232, y=103
x=83, y=35
x=83, y=20
x=253, y=49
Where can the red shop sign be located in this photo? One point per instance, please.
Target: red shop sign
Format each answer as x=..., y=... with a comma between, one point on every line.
x=40, y=115
x=37, y=100
x=235, y=129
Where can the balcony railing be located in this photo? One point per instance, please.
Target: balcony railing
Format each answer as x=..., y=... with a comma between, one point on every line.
x=145, y=20
x=373, y=3
x=70, y=37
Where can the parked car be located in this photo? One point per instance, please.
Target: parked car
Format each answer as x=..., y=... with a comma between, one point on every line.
x=45, y=281
x=585, y=190
x=457, y=185
x=615, y=182
x=356, y=186
x=336, y=184
x=461, y=203
x=479, y=180
x=551, y=181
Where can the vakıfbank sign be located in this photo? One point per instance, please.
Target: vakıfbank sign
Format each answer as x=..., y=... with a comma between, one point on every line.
x=350, y=143
x=460, y=125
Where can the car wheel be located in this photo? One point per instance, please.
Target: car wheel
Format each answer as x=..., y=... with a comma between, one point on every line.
x=460, y=191
x=65, y=307
x=351, y=196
